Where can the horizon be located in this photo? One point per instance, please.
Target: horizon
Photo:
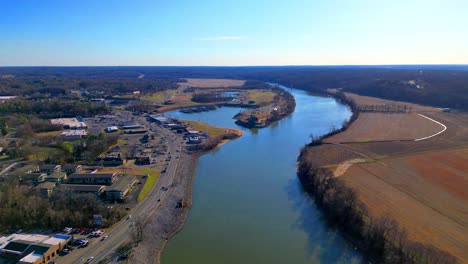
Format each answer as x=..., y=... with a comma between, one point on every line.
x=233, y=33
x=235, y=66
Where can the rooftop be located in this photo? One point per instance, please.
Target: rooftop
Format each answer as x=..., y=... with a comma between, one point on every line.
x=69, y=122
x=83, y=188
x=46, y=185
x=122, y=184
x=91, y=175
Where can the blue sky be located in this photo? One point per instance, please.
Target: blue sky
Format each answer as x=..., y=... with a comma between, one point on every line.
x=242, y=32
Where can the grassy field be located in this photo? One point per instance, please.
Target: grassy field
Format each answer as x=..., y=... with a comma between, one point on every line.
x=213, y=132
x=153, y=175
x=261, y=97
x=160, y=96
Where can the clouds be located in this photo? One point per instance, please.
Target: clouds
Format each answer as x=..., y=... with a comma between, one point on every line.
x=221, y=38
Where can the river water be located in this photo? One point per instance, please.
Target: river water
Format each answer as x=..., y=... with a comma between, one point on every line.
x=248, y=205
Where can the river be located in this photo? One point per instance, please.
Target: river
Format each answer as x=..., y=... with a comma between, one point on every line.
x=248, y=204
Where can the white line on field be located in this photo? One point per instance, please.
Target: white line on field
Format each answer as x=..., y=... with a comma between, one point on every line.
x=440, y=132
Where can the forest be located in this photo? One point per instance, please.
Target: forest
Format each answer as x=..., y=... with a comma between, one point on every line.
x=436, y=85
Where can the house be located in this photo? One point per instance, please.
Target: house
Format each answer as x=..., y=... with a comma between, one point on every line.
x=120, y=188
x=46, y=188
x=57, y=177
x=49, y=169
x=92, y=178
x=33, y=249
x=70, y=169
x=78, y=188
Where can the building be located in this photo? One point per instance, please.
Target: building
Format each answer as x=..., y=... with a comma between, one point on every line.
x=92, y=178
x=36, y=177
x=78, y=188
x=161, y=120
x=57, y=177
x=33, y=249
x=73, y=135
x=49, y=168
x=110, y=160
x=98, y=100
x=6, y=98
x=46, y=188
x=70, y=169
x=70, y=123
x=111, y=129
x=120, y=188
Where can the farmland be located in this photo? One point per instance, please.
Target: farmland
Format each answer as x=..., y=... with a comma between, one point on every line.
x=425, y=192
x=381, y=126
x=211, y=83
x=421, y=184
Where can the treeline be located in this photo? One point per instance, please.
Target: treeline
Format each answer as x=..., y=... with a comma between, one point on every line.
x=210, y=98
x=45, y=86
x=437, y=85
x=52, y=108
x=381, y=239
x=22, y=207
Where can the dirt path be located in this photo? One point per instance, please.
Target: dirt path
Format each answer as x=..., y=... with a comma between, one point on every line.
x=440, y=132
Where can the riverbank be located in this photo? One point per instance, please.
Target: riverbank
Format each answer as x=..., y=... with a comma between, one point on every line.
x=171, y=218
x=282, y=105
x=346, y=202
x=172, y=214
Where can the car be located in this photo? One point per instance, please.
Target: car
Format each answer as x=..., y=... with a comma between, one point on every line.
x=129, y=217
x=89, y=260
x=104, y=238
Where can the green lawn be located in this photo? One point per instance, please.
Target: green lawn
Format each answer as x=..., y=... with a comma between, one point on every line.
x=150, y=181
x=213, y=132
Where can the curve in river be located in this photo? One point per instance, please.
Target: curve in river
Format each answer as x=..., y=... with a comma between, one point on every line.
x=248, y=205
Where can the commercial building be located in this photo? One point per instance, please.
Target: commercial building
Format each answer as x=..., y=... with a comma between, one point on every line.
x=70, y=123
x=33, y=249
x=111, y=129
x=159, y=119
x=73, y=134
x=92, y=178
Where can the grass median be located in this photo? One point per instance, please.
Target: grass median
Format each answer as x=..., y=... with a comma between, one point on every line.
x=153, y=175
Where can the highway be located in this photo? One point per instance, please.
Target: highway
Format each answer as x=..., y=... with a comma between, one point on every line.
x=143, y=212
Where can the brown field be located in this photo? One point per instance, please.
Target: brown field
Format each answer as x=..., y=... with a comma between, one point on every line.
x=367, y=100
x=421, y=184
x=211, y=83
x=426, y=193
x=380, y=126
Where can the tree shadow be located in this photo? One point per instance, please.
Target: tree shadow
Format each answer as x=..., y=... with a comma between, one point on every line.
x=324, y=242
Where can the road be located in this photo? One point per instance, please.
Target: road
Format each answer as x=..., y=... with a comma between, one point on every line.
x=142, y=212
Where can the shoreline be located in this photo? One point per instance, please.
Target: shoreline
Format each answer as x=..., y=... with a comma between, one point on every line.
x=337, y=201
x=170, y=220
